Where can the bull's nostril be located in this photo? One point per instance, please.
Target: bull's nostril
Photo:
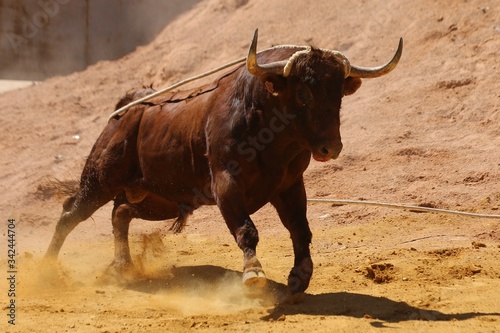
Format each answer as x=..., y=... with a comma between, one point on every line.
x=325, y=151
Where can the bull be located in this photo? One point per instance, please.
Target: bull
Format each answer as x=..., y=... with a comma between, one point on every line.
x=240, y=142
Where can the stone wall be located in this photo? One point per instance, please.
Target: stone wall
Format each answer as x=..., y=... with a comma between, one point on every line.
x=43, y=38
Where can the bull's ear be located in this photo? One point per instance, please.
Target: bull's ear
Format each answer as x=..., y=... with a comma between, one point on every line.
x=270, y=88
x=274, y=85
x=351, y=84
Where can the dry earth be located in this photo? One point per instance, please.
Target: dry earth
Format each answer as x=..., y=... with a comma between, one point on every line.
x=427, y=134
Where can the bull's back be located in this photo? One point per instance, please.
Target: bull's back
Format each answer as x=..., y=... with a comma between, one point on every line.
x=171, y=148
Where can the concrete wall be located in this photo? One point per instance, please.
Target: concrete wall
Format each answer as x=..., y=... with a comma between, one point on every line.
x=43, y=38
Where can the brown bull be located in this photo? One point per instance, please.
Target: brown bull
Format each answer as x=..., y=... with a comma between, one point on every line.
x=240, y=142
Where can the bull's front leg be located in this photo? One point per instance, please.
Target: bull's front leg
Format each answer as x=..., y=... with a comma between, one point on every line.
x=231, y=203
x=292, y=208
x=247, y=237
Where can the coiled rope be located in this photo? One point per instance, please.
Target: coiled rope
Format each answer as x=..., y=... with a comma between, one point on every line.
x=400, y=206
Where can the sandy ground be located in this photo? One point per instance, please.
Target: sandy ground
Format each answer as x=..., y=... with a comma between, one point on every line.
x=426, y=134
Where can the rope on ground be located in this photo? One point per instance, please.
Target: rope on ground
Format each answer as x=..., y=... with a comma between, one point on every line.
x=400, y=206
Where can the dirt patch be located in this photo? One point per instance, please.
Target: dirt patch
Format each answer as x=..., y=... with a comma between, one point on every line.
x=380, y=273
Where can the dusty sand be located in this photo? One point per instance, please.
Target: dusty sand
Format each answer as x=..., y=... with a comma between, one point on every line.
x=426, y=134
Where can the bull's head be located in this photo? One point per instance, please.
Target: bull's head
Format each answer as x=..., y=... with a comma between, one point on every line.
x=312, y=83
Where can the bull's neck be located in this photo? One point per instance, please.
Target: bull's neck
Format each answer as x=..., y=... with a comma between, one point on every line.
x=271, y=126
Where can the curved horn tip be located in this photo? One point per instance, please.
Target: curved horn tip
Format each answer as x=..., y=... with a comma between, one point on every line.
x=253, y=45
x=372, y=72
x=398, y=53
x=252, y=53
x=400, y=46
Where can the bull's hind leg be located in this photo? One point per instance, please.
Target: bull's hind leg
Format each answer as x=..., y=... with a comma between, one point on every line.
x=120, y=219
x=76, y=209
x=150, y=208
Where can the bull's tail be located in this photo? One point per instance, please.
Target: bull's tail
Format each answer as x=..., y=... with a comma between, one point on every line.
x=53, y=187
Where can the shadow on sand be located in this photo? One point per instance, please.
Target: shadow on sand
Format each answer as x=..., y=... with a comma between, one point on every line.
x=380, y=309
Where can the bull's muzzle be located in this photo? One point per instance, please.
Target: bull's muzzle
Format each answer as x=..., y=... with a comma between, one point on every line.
x=326, y=152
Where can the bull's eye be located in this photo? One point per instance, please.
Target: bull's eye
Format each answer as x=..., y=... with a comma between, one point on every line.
x=303, y=96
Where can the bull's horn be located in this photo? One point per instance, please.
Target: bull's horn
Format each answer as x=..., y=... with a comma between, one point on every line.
x=371, y=72
x=255, y=69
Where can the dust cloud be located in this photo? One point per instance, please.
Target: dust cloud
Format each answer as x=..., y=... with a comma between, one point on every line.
x=156, y=283
x=194, y=290
x=225, y=296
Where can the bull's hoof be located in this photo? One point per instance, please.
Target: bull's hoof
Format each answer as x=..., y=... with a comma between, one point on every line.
x=254, y=278
x=120, y=273
x=299, y=277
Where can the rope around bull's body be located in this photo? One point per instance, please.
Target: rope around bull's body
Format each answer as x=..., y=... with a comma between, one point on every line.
x=169, y=88
x=193, y=78
x=400, y=206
